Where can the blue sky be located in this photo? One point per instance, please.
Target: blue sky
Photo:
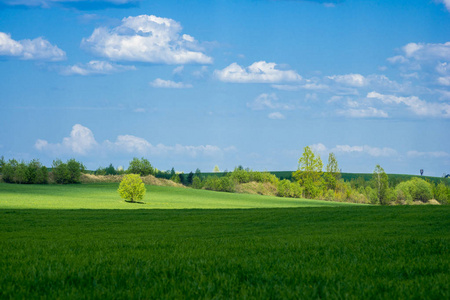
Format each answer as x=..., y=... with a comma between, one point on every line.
x=194, y=84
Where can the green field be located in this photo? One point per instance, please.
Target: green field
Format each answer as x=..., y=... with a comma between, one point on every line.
x=105, y=196
x=334, y=252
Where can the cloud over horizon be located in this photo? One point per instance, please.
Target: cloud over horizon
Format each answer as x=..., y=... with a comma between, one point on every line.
x=81, y=141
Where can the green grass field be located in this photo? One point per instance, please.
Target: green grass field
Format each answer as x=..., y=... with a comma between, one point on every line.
x=105, y=196
x=333, y=252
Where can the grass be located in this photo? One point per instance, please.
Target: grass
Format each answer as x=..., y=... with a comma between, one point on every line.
x=105, y=196
x=310, y=252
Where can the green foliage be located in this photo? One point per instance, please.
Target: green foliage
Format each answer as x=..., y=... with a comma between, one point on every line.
x=140, y=166
x=66, y=173
x=216, y=169
x=197, y=182
x=309, y=173
x=189, y=179
x=415, y=189
x=131, y=188
x=442, y=193
x=2, y=163
x=23, y=173
x=175, y=178
x=380, y=183
x=222, y=184
x=286, y=188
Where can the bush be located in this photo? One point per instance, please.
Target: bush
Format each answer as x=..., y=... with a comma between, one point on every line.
x=286, y=188
x=223, y=184
x=413, y=190
x=131, y=188
x=442, y=193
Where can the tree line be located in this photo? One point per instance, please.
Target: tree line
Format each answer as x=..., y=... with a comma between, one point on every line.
x=308, y=181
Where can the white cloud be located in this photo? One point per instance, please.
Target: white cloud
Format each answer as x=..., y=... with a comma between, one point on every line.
x=372, y=151
x=37, y=49
x=80, y=141
x=369, y=112
x=318, y=148
x=95, y=67
x=356, y=80
x=433, y=154
x=444, y=80
x=276, y=116
x=421, y=52
x=258, y=72
x=146, y=39
x=169, y=84
x=416, y=105
x=268, y=101
x=347, y=149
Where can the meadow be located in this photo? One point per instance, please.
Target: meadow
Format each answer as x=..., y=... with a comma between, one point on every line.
x=326, y=250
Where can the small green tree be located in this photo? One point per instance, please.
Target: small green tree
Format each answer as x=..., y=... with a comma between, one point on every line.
x=131, y=188
x=309, y=172
x=216, y=169
x=381, y=185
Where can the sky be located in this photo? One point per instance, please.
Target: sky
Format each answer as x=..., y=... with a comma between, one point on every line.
x=194, y=84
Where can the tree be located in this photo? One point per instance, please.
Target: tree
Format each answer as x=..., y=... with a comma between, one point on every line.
x=60, y=172
x=131, y=188
x=110, y=170
x=2, y=163
x=381, y=185
x=190, y=178
x=309, y=172
x=140, y=166
x=333, y=174
x=216, y=169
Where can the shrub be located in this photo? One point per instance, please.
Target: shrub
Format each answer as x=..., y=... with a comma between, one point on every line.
x=286, y=188
x=442, y=193
x=131, y=188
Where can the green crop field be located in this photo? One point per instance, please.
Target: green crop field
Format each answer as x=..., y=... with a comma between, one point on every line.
x=50, y=249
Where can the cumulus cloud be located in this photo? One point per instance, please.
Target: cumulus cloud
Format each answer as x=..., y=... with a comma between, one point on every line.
x=169, y=84
x=258, y=72
x=36, y=49
x=95, y=67
x=82, y=142
x=146, y=39
x=415, y=104
x=268, y=101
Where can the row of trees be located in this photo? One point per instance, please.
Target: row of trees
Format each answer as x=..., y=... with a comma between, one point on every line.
x=34, y=172
x=309, y=181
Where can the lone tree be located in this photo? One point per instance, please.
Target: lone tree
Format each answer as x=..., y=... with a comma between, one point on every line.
x=309, y=172
x=131, y=188
x=381, y=184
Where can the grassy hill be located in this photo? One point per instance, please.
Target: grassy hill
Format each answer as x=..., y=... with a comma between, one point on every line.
x=105, y=196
